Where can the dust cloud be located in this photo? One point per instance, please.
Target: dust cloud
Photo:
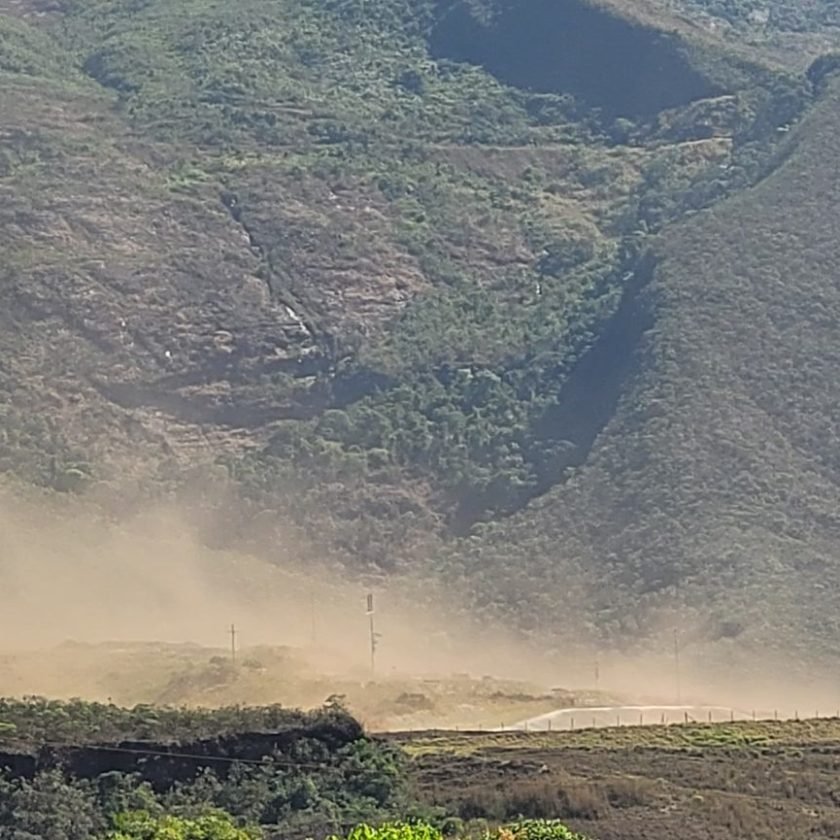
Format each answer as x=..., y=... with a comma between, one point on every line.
x=135, y=608
x=70, y=573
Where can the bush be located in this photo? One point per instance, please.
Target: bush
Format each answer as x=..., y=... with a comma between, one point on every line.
x=140, y=825
x=418, y=830
x=540, y=830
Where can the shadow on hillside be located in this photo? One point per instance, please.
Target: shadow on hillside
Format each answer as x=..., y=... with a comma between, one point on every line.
x=589, y=397
x=566, y=46
x=586, y=402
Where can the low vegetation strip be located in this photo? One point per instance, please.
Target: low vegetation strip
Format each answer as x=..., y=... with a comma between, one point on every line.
x=41, y=721
x=676, y=736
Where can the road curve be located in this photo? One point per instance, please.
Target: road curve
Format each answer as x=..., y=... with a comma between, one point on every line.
x=582, y=717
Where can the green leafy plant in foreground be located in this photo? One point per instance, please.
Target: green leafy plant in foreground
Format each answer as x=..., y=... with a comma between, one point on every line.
x=419, y=830
x=140, y=825
x=394, y=831
x=538, y=830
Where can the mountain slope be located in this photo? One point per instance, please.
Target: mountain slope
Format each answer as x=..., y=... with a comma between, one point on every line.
x=209, y=210
x=712, y=492
x=433, y=315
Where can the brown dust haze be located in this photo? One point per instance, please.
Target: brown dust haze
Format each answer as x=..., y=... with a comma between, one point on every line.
x=72, y=580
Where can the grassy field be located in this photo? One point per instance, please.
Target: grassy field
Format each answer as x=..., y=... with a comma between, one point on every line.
x=742, y=780
x=670, y=737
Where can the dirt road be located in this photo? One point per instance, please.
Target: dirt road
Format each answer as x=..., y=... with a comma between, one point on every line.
x=580, y=717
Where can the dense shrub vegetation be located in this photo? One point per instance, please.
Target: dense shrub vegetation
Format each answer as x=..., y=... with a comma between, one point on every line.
x=154, y=772
x=545, y=829
x=40, y=720
x=140, y=825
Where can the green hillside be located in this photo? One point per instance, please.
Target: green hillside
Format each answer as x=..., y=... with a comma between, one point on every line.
x=533, y=297
x=713, y=482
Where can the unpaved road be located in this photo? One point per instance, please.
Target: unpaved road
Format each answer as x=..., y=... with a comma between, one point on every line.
x=580, y=717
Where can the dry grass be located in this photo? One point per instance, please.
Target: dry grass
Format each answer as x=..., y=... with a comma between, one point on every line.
x=754, y=781
x=673, y=737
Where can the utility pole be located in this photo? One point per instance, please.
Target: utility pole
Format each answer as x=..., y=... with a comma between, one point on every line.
x=374, y=636
x=677, y=666
x=314, y=624
x=233, y=643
